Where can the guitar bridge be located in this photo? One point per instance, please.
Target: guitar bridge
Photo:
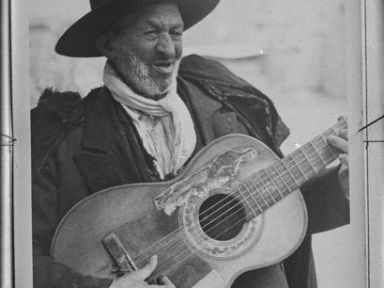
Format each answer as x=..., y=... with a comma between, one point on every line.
x=119, y=254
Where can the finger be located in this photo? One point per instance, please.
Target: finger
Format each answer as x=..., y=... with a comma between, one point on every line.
x=342, y=118
x=165, y=282
x=147, y=270
x=343, y=133
x=343, y=159
x=338, y=143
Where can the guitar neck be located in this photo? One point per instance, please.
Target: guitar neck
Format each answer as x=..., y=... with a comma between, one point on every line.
x=269, y=185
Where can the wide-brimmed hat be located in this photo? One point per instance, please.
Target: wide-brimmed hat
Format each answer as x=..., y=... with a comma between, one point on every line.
x=79, y=40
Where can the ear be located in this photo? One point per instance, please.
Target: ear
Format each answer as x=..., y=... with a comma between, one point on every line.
x=103, y=44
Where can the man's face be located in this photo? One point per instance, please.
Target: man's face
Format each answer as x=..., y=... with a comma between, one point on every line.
x=146, y=48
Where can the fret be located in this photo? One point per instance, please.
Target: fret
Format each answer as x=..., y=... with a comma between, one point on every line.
x=261, y=191
x=322, y=149
x=259, y=207
x=276, y=194
x=298, y=164
x=246, y=198
x=309, y=164
x=286, y=175
x=267, y=184
x=318, y=153
x=310, y=152
x=294, y=169
x=313, y=158
x=282, y=178
x=287, y=169
x=261, y=194
x=269, y=171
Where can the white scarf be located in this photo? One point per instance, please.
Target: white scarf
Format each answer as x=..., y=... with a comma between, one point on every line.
x=165, y=126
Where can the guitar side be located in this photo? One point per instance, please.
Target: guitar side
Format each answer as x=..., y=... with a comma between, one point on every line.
x=278, y=231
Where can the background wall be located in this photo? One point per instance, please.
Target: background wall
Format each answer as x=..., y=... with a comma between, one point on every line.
x=294, y=51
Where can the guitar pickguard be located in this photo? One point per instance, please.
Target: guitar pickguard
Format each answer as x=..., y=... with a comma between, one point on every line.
x=217, y=174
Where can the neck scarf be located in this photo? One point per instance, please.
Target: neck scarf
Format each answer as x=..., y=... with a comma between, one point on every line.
x=165, y=126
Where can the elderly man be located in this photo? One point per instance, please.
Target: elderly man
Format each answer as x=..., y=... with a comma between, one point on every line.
x=154, y=112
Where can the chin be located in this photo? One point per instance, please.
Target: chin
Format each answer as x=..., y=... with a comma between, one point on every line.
x=165, y=87
x=162, y=86
x=154, y=91
x=151, y=86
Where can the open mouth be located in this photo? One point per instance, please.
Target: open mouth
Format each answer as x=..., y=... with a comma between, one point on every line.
x=164, y=67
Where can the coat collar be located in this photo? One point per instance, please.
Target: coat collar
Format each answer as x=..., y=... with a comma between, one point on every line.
x=99, y=129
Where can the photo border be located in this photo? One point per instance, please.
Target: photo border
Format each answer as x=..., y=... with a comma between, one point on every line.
x=363, y=80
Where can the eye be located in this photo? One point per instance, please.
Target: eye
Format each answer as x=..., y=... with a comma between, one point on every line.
x=150, y=33
x=177, y=33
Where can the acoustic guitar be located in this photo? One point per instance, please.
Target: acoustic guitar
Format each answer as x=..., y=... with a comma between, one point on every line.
x=235, y=207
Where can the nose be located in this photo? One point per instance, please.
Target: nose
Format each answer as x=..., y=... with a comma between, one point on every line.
x=166, y=46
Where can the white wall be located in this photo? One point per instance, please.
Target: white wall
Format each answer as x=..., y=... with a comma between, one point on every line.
x=302, y=43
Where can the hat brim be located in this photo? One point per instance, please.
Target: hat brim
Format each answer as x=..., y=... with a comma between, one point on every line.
x=79, y=40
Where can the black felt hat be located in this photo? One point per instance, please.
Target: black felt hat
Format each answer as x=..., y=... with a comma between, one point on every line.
x=79, y=40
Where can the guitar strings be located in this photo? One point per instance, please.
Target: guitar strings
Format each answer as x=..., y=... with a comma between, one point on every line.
x=185, y=252
x=181, y=260
x=176, y=252
x=164, y=263
x=166, y=238
x=328, y=131
x=156, y=243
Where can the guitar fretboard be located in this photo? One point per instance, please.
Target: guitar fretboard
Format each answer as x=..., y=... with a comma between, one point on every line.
x=267, y=186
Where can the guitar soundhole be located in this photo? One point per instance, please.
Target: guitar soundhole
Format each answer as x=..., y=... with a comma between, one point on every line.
x=222, y=217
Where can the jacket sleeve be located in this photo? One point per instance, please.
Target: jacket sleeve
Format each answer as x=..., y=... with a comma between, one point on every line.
x=45, y=216
x=327, y=206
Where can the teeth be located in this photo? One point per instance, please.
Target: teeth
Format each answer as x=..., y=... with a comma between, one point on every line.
x=163, y=63
x=165, y=67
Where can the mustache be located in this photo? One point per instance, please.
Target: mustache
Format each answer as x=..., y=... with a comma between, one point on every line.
x=159, y=56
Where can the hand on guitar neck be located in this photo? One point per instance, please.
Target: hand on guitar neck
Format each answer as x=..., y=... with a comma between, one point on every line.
x=137, y=278
x=340, y=142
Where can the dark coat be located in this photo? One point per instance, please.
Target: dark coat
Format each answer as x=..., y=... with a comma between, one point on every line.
x=82, y=146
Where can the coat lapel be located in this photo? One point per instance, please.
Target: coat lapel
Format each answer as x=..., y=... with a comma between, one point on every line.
x=94, y=161
x=211, y=119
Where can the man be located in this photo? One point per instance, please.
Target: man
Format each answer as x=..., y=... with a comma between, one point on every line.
x=154, y=112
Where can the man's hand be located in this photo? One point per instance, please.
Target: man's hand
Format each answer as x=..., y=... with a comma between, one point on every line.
x=340, y=142
x=136, y=279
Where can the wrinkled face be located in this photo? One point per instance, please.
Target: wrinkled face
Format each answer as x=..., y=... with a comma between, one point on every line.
x=146, y=48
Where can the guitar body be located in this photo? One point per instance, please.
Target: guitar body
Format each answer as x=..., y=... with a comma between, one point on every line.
x=179, y=220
